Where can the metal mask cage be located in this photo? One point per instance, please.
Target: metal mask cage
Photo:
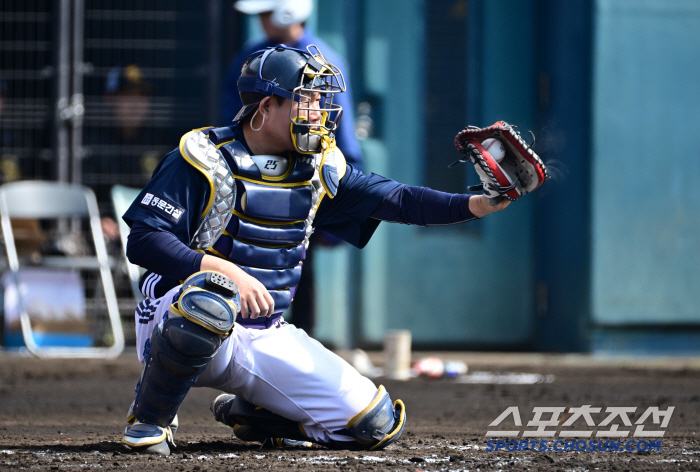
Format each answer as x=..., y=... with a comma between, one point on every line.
x=322, y=78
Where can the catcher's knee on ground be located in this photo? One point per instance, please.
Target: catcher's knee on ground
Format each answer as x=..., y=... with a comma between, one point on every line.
x=378, y=425
x=183, y=346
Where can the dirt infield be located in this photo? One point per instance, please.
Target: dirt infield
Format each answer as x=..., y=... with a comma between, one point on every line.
x=69, y=415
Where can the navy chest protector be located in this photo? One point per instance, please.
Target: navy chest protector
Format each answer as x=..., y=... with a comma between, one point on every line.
x=258, y=220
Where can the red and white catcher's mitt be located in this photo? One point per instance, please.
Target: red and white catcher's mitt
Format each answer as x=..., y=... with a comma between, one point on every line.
x=521, y=170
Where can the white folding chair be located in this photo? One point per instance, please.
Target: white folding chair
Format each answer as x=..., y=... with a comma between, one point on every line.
x=55, y=200
x=122, y=198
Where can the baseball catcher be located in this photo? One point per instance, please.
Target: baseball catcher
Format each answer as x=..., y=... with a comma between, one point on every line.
x=222, y=230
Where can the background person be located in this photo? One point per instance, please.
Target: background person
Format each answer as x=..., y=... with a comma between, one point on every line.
x=283, y=22
x=128, y=97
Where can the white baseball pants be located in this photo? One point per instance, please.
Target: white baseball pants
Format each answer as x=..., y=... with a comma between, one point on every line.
x=280, y=369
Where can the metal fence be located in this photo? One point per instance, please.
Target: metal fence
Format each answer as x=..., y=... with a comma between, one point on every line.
x=97, y=91
x=25, y=89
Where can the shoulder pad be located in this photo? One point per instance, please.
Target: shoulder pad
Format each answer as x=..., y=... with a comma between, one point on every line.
x=332, y=169
x=220, y=135
x=239, y=160
x=198, y=150
x=301, y=168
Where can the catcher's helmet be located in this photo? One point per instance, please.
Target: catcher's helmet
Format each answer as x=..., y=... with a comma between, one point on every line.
x=296, y=75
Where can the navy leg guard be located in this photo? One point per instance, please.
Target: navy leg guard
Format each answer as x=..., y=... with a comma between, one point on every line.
x=198, y=322
x=178, y=355
x=373, y=429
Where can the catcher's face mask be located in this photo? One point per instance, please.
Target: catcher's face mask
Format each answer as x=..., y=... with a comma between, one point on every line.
x=316, y=115
x=314, y=82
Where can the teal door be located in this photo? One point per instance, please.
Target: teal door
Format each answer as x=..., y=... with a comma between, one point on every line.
x=469, y=286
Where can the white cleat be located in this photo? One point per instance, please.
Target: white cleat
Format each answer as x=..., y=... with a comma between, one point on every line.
x=148, y=438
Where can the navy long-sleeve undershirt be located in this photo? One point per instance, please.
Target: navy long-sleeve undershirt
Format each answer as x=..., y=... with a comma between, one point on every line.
x=161, y=252
x=164, y=254
x=423, y=206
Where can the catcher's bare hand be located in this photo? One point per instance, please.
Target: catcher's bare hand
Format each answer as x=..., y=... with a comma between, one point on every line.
x=256, y=301
x=479, y=205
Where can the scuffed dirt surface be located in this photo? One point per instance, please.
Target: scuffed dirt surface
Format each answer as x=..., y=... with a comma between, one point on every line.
x=69, y=415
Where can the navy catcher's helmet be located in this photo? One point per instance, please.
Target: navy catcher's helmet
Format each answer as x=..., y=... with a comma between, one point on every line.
x=295, y=75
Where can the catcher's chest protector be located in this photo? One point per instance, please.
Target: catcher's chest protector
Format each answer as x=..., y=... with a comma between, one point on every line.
x=257, y=217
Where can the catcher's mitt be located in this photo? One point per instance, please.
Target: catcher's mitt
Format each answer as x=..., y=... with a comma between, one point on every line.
x=521, y=171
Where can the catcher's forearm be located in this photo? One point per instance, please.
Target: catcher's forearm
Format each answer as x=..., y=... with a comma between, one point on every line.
x=423, y=206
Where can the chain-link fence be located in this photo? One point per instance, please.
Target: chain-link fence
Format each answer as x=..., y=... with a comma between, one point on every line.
x=96, y=92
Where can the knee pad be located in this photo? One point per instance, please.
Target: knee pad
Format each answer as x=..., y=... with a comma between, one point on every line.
x=380, y=424
x=209, y=299
x=178, y=352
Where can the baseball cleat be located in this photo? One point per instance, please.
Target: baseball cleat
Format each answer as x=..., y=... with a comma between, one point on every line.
x=221, y=407
x=130, y=419
x=152, y=439
x=148, y=438
x=284, y=443
x=248, y=433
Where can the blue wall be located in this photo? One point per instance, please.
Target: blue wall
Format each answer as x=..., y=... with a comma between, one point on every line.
x=563, y=214
x=448, y=286
x=600, y=258
x=646, y=217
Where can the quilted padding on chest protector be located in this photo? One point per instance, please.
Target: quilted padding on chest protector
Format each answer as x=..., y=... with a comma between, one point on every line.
x=275, y=279
x=271, y=203
x=265, y=233
x=258, y=256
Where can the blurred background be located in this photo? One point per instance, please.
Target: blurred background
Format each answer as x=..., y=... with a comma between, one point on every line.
x=603, y=258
